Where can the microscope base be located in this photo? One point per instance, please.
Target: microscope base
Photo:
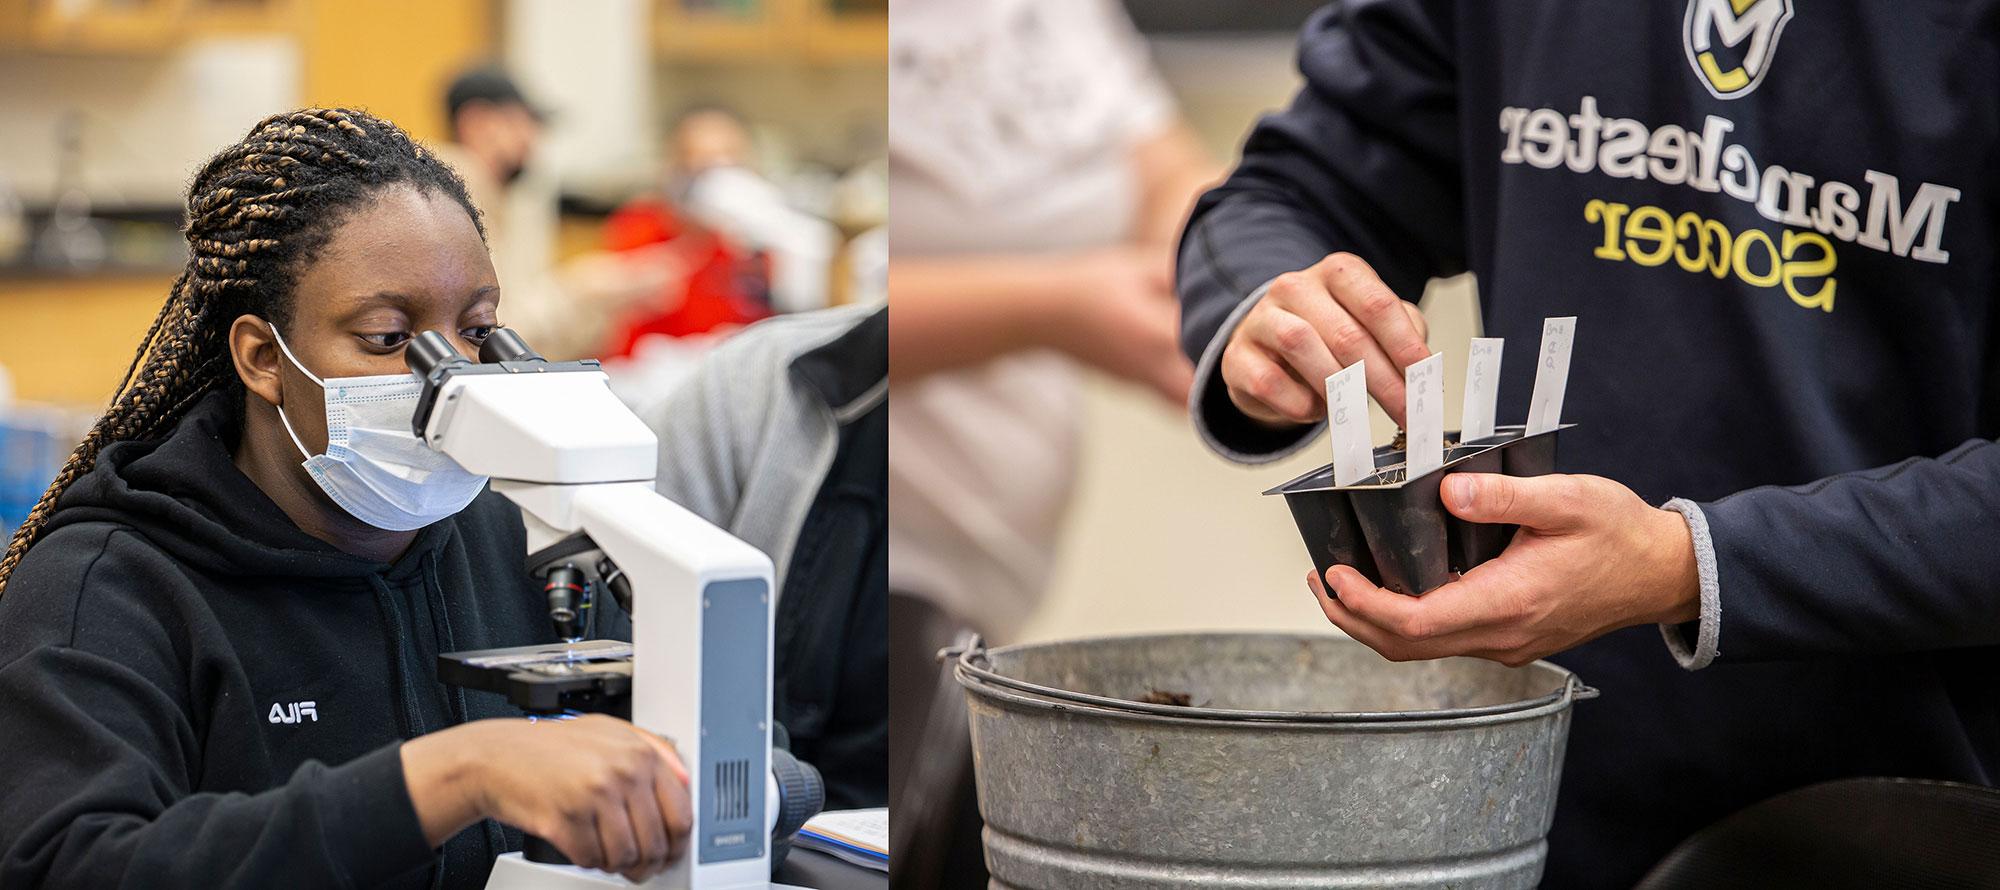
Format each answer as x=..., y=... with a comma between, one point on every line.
x=511, y=872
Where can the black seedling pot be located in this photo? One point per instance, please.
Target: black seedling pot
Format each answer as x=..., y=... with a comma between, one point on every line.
x=1395, y=531
x=1325, y=516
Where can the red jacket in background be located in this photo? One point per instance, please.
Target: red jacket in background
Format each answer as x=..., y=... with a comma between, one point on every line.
x=729, y=285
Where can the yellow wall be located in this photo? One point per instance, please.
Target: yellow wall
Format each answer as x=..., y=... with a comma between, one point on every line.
x=67, y=339
x=394, y=57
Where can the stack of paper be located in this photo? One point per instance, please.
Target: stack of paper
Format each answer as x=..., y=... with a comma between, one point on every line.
x=857, y=836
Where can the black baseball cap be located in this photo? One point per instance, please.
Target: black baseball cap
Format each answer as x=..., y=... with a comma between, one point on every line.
x=488, y=83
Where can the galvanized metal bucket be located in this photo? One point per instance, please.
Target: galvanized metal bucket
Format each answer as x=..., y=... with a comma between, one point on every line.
x=1261, y=761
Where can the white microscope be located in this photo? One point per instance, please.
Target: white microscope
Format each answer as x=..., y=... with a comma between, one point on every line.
x=581, y=465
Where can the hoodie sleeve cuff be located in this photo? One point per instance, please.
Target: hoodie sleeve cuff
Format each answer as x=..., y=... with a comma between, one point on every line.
x=1221, y=426
x=1707, y=628
x=371, y=826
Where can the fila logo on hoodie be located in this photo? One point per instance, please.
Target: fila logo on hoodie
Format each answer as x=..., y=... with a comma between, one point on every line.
x=294, y=712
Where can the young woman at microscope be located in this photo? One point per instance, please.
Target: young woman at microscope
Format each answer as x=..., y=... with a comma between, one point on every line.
x=217, y=627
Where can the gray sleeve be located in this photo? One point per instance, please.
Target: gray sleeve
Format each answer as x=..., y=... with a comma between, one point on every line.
x=1709, y=625
x=701, y=439
x=738, y=440
x=1223, y=428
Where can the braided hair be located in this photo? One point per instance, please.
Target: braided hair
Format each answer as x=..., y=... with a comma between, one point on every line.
x=257, y=212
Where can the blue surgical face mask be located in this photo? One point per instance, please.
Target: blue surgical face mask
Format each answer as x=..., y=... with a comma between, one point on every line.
x=374, y=467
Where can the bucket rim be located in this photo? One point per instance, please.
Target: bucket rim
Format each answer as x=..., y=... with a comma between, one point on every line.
x=986, y=682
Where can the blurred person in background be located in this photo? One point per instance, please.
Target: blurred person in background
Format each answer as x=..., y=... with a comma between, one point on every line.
x=1039, y=170
x=567, y=311
x=706, y=136
x=716, y=183
x=730, y=283
x=494, y=132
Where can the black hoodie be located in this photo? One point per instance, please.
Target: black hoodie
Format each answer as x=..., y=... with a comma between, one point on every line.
x=196, y=693
x=1817, y=310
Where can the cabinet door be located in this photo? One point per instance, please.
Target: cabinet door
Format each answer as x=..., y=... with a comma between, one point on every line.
x=242, y=16
x=718, y=29
x=847, y=30
x=105, y=25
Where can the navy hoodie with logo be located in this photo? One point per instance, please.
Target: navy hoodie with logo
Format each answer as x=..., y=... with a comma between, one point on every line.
x=1776, y=230
x=196, y=693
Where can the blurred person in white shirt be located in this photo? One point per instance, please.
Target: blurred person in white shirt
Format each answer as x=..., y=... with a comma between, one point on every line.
x=1039, y=174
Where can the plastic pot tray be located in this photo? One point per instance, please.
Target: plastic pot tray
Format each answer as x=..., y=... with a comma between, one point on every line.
x=1396, y=531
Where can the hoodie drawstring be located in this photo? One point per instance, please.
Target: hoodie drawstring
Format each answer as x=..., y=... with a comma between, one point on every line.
x=406, y=719
x=441, y=619
x=392, y=635
x=496, y=843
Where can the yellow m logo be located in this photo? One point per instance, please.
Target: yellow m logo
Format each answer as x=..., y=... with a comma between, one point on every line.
x=1730, y=42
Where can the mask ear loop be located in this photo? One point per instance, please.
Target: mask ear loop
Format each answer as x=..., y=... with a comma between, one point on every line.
x=309, y=375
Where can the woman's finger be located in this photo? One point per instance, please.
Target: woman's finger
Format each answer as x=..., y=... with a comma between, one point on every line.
x=649, y=828
x=614, y=835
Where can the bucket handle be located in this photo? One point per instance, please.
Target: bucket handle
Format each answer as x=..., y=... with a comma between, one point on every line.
x=977, y=644
x=1581, y=691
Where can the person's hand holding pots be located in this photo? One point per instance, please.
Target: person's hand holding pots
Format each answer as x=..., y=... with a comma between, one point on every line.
x=1590, y=558
x=1311, y=323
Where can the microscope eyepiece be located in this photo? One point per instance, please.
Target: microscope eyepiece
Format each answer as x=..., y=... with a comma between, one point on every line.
x=428, y=351
x=503, y=345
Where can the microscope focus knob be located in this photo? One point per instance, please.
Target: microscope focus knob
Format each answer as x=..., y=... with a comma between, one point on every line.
x=801, y=793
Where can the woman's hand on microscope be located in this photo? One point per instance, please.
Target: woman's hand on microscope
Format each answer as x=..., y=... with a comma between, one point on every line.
x=608, y=794
x=1590, y=558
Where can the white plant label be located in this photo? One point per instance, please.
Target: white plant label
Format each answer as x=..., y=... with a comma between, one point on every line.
x=1551, y=374
x=1423, y=415
x=1347, y=424
x=1482, y=389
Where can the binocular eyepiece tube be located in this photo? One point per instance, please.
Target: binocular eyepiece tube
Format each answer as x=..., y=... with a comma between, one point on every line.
x=503, y=345
x=431, y=350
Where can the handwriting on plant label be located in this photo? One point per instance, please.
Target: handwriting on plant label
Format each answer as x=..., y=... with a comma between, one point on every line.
x=1482, y=389
x=1423, y=384
x=1347, y=424
x=1551, y=375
